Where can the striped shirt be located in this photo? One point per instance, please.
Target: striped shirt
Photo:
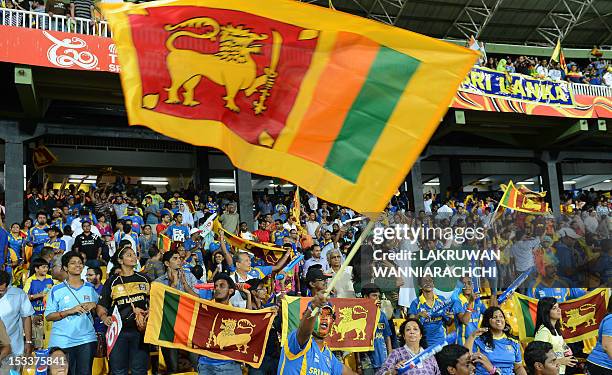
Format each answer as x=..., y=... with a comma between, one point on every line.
x=82, y=8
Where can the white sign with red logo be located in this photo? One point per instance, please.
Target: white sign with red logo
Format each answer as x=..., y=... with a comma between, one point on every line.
x=112, y=333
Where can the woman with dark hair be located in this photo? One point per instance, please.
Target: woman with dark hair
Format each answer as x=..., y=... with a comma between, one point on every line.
x=548, y=329
x=599, y=361
x=69, y=306
x=493, y=340
x=129, y=292
x=412, y=342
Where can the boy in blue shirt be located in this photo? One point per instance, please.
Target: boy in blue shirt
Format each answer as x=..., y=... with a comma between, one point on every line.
x=424, y=306
x=37, y=286
x=371, y=362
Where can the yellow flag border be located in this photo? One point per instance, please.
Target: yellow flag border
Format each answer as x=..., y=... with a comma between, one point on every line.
x=156, y=315
x=425, y=101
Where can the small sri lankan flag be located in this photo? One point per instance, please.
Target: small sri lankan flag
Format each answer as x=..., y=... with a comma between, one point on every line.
x=335, y=103
x=523, y=200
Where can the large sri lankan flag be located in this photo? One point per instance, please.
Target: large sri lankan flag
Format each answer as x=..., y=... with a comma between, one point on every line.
x=352, y=331
x=179, y=320
x=580, y=317
x=523, y=200
x=337, y=104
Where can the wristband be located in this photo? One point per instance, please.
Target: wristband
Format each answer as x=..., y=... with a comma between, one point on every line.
x=469, y=310
x=60, y=314
x=493, y=371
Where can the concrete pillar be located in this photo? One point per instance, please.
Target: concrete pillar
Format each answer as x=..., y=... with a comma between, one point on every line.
x=553, y=183
x=450, y=175
x=202, y=169
x=415, y=187
x=244, y=187
x=13, y=180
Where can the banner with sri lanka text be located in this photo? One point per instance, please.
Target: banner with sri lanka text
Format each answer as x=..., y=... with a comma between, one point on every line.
x=182, y=321
x=353, y=330
x=580, y=317
x=484, y=81
x=335, y=103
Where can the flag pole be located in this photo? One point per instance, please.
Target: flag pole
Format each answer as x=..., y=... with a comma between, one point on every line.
x=347, y=261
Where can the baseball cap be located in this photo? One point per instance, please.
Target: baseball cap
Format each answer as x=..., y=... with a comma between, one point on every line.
x=56, y=229
x=568, y=232
x=547, y=239
x=131, y=207
x=194, y=231
x=316, y=273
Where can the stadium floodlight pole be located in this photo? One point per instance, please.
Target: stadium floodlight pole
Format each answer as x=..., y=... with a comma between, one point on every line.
x=348, y=259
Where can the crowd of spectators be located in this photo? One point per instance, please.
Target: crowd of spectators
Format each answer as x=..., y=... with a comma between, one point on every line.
x=597, y=71
x=109, y=235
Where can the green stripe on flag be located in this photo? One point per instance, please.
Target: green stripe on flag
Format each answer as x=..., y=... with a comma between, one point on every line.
x=294, y=315
x=387, y=79
x=528, y=322
x=171, y=303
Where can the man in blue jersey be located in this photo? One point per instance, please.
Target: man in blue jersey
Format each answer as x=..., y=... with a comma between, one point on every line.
x=178, y=231
x=38, y=233
x=224, y=289
x=468, y=309
x=550, y=284
x=431, y=312
x=136, y=219
x=305, y=351
x=371, y=362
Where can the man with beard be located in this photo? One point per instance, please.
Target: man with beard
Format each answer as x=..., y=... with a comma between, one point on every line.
x=224, y=289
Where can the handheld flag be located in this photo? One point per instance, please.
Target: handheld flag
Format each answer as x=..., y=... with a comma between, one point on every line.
x=351, y=313
x=270, y=253
x=200, y=326
x=580, y=317
x=558, y=56
x=337, y=104
x=514, y=286
x=523, y=200
x=427, y=353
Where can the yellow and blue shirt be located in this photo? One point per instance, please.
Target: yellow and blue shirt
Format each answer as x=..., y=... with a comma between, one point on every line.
x=435, y=332
x=560, y=289
x=56, y=244
x=460, y=307
x=16, y=243
x=506, y=352
x=34, y=286
x=308, y=359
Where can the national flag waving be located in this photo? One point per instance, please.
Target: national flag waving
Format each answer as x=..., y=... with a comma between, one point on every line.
x=352, y=331
x=558, y=56
x=523, y=200
x=201, y=326
x=42, y=157
x=580, y=317
x=337, y=104
x=270, y=253
x=164, y=243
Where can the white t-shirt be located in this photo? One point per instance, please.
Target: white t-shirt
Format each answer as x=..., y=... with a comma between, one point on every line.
x=427, y=205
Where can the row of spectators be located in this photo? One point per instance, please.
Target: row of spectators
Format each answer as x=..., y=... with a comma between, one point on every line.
x=597, y=72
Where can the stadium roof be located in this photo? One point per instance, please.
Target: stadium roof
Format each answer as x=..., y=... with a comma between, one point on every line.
x=579, y=24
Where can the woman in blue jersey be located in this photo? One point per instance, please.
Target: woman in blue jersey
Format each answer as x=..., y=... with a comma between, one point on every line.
x=494, y=341
x=431, y=311
x=16, y=240
x=599, y=361
x=548, y=329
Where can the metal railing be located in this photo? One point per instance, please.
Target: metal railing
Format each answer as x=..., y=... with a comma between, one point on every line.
x=42, y=21
x=591, y=90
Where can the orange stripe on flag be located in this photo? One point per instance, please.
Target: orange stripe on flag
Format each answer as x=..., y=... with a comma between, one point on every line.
x=183, y=320
x=351, y=59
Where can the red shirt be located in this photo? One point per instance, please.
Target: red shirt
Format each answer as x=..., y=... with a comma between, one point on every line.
x=262, y=235
x=161, y=227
